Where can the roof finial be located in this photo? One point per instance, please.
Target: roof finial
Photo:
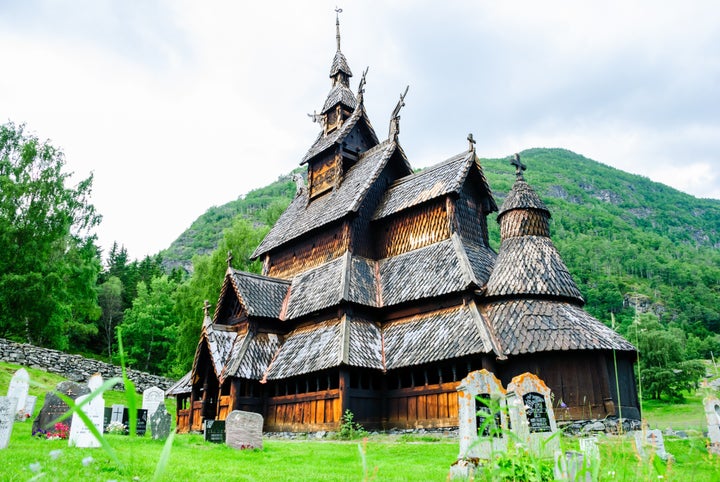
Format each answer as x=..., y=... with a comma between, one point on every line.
x=206, y=308
x=338, y=11
x=229, y=259
x=471, y=142
x=519, y=166
x=361, y=86
x=395, y=116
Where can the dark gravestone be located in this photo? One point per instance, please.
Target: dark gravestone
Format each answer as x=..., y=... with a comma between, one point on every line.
x=214, y=431
x=106, y=418
x=54, y=407
x=141, y=423
x=160, y=423
x=537, y=415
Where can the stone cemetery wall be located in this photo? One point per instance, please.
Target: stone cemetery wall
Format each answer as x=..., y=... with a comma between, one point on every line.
x=73, y=367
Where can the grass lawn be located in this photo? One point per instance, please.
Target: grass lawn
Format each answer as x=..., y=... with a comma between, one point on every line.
x=379, y=457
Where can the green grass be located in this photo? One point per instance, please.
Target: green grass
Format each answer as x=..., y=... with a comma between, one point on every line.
x=380, y=457
x=686, y=415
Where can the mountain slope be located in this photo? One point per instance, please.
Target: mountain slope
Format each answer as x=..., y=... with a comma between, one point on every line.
x=627, y=241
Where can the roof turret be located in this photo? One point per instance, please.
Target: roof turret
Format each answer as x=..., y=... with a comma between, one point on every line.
x=528, y=263
x=340, y=74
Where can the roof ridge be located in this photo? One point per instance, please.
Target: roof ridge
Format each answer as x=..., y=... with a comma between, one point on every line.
x=427, y=170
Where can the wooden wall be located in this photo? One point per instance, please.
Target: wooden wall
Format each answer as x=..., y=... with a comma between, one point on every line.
x=429, y=406
x=311, y=252
x=413, y=229
x=304, y=412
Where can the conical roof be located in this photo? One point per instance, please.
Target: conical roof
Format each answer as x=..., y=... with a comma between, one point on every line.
x=528, y=264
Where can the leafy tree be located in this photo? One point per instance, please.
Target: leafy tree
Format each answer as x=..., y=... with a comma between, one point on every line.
x=150, y=326
x=664, y=368
x=110, y=299
x=48, y=260
x=205, y=284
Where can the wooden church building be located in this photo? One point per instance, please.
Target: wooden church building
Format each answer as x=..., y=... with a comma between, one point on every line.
x=379, y=292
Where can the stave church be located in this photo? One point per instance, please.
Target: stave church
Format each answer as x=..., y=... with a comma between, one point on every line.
x=379, y=292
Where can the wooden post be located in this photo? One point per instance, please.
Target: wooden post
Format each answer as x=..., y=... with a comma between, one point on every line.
x=344, y=386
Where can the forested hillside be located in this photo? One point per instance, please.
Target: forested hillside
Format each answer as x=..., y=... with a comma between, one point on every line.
x=627, y=241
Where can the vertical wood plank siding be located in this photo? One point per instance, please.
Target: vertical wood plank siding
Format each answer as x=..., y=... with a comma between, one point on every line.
x=413, y=229
x=304, y=412
x=311, y=252
x=423, y=407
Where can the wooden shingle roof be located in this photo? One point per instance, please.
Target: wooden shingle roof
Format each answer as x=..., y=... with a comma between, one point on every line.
x=308, y=349
x=436, y=181
x=260, y=295
x=438, y=335
x=251, y=355
x=531, y=266
x=522, y=196
x=184, y=385
x=340, y=64
x=339, y=94
x=300, y=217
x=531, y=325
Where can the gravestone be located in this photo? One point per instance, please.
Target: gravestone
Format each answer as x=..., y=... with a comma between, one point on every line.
x=54, y=407
x=117, y=412
x=650, y=442
x=141, y=421
x=18, y=389
x=107, y=416
x=30, y=402
x=244, y=430
x=531, y=415
x=712, y=416
x=214, y=431
x=80, y=434
x=152, y=397
x=483, y=430
x=8, y=409
x=160, y=423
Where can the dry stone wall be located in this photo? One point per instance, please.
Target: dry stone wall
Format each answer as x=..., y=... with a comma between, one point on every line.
x=74, y=367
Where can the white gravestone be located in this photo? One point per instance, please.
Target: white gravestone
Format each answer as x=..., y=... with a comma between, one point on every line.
x=18, y=389
x=80, y=434
x=7, y=418
x=243, y=430
x=117, y=413
x=531, y=415
x=152, y=397
x=712, y=416
x=30, y=402
x=482, y=416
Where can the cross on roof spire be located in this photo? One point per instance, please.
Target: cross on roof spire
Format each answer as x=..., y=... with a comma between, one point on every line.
x=471, y=142
x=519, y=166
x=206, y=308
x=229, y=259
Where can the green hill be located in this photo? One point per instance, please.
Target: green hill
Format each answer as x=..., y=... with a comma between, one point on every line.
x=628, y=241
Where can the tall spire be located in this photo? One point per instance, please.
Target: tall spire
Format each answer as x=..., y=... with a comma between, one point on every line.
x=338, y=11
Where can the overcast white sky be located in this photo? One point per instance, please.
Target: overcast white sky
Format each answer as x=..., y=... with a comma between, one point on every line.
x=176, y=106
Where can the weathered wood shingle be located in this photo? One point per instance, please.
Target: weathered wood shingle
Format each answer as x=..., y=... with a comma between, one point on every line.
x=434, y=336
x=261, y=295
x=431, y=183
x=531, y=265
x=308, y=349
x=300, y=217
x=251, y=355
x=530, y=326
